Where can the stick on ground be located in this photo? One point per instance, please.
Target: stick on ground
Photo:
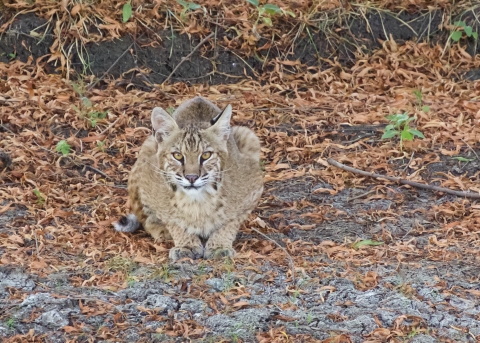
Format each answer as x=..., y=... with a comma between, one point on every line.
x=404, y=182
x=290, y=259
x=188, y=56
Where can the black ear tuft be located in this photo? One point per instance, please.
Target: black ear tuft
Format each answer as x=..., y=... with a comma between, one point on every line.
x=123, y=221
x=215, y=119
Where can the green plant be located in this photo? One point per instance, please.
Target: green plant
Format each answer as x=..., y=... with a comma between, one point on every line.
x=94, y=116
x=399, y=126
x=40, y=197
x=63, y=147
x=461, y=27
x=86, y=109
x=419, y=96
x=264, y=12
x=164, y=273
x=309, y=317
x=463, y=159
x=127, y=11
x=100, y=146
x=11, y=323
x=121, y=263
x=366, y=242
x=187, y=6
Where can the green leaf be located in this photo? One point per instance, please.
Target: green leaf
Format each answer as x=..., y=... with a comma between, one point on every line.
x=425, y=108
x=189, y=5
x=127, y=12
x=290, y=13
x=406, y=135
x=401, y=118
x=366, y=242
x=418, y=95
x=390, y=134
x=463, y=159
x=416, y=133
x=459, y=23
x=267, y=21
x=389, y=127
x=254, y=2
x=456, y=35
x=40, y=197
x=272, y=9
x=475, y=35
x=63, y=147
x=468, y=30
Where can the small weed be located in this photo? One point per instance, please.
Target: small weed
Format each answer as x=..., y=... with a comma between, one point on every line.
x=127, y=12
x=201, y=268
x=164, y=273
x=121, y=263
x=412, y=333
x=12, y=55
x=463, y=159
x=419, y=96
x=170, y=110
x=365, y=242
x=94, y=116
x=309, y=317
x=40, y=197
x=460, y=28
x=264, y=12
x=63, y=147
x=187, y=6
x=399, y=126
x=86, y=109
x=100, y=146
x=10, y=323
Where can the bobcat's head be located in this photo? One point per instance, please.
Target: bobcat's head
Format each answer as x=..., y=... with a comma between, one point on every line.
x=190, y=158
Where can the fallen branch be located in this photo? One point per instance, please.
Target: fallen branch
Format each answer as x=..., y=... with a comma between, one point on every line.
x=188, y=56
x=404, y=182
x=290, y=259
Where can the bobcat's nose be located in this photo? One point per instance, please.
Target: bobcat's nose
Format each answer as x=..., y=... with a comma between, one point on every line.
x=191, y=178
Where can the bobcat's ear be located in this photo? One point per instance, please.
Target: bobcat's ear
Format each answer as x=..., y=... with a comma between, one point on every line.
x=221, y=123
x=163, y=124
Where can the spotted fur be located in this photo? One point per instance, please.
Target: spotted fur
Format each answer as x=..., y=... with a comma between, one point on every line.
x=193, y=199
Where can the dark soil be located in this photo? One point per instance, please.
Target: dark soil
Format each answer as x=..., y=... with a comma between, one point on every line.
x=220, y=65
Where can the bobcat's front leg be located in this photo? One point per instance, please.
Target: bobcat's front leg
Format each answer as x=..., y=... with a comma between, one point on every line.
x=220, y=242
x=186, y=245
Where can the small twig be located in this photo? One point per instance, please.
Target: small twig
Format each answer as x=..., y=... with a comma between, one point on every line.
x=6, y=128
x=404, y=182
x=188, y=56
x=36, y=241
x=361, y=195
x=112, y=124
x=110, y=68
x=292, y=264
x=97, y=171
x=471, y=149
x=408, y=165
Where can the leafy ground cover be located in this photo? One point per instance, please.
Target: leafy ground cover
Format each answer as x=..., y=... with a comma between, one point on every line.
x=373, y=261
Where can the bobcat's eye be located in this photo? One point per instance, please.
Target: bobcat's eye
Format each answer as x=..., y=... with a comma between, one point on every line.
x=206, y=155
x=178, y=156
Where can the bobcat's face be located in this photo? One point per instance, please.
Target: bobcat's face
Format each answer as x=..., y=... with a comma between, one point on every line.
x=192, y=163
x=190, y=158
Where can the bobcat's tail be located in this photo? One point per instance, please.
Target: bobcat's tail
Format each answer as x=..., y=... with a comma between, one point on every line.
x=127, y=223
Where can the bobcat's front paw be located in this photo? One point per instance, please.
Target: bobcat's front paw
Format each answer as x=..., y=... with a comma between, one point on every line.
x=177, y=253
x=219, y=252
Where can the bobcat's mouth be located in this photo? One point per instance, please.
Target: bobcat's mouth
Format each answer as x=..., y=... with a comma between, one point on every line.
x=191, y=187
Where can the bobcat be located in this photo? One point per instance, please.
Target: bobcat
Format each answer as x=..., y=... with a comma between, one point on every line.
x=196, y=178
